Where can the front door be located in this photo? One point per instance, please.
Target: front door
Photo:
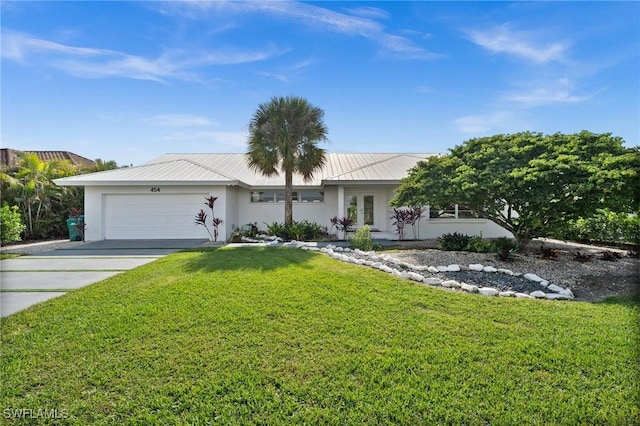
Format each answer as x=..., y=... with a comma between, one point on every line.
x=361, y=209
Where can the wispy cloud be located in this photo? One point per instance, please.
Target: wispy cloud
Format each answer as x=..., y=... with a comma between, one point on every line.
x=89, y=62
x=218, y=141
x=484, y=124
x=178, y=120
x=503, y=39
x=560, y=91
x=359, y=21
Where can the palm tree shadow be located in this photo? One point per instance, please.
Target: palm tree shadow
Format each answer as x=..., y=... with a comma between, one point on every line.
x=244, y=258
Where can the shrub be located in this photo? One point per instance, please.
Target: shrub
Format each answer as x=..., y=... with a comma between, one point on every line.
x=301, y=231
x=362, y=239
x=505, y=247
x=605, y=226
x=477, y=244
x=454, y=241
x=10, y=224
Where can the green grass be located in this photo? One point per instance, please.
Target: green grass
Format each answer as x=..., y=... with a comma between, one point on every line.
x=10, y=255
x=283, y=336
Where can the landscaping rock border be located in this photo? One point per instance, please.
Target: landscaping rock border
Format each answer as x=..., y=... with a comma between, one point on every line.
x=473, y=278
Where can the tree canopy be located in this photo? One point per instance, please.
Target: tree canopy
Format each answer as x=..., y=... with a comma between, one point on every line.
x=529, y=183
x=283, y=136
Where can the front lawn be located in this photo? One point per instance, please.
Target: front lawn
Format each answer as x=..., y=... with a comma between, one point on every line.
x=283, y=336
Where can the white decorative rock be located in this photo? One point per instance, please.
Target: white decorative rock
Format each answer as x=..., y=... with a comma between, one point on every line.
x=339, y=249
x=553, y=296
x=508, y=293
x=451, y=284
x=490, y=269
x=567, y=292
x=385, y=268
x=453, y=268
x=415, y=276
x=407, y=265
x=544, y=283
x=538, y=294
x=442, y=268
x=523, y=296
x=554, y=288
x=488, y=291
x=505, y=271
x=533, y=277
x=433, y=269
x=476, y=267
x=432, y=281
x=469, y=287
x=421, y=268
x=393, y=260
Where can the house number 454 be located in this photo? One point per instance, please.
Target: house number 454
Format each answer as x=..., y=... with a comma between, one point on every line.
x=155, y=189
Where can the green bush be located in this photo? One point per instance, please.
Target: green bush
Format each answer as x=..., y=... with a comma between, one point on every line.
x=362, y=239
x=606, y=226
x=11, y=225
x=477, y=244
x=454, y=242
x=505, y=247
x=300, y=231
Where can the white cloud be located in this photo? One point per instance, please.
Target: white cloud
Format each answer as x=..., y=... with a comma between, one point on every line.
x=358, y=22
x=218, y=141
x=560, y=91
x=99, y=63
x=484, y=124
x=178, y=120
x=519, y=43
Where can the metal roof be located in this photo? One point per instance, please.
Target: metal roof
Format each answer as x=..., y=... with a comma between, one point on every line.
x=232, y=169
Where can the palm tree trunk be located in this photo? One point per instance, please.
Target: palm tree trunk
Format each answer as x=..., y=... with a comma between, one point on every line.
x=288, y=198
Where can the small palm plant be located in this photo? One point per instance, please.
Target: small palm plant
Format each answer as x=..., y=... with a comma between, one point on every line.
x=201, y=218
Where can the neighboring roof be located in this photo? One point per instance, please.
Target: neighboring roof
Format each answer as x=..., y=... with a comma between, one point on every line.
x=9, y=157
x=232, y=169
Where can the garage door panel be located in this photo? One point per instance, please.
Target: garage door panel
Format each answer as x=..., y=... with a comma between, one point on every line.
x=153, y=216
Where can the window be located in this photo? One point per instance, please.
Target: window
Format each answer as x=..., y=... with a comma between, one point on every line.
x=263, y=196
x=311, y=196
x=453, y=211
x=278, y=197
x=448, y=212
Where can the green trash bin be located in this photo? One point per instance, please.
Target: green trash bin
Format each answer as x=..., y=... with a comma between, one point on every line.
x=74, y=232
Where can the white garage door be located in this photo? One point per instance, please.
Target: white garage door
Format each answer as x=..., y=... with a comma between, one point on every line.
x=154, y=216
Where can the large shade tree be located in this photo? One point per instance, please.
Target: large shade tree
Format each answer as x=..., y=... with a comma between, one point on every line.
x=283, y=137
x=529, y=183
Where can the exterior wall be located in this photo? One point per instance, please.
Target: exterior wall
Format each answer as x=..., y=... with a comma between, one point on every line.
x=434, y=228
x=94, y=205
x=262, y=213
x=235, y=208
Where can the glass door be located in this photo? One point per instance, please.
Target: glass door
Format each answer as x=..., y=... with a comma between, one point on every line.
x=361, y=209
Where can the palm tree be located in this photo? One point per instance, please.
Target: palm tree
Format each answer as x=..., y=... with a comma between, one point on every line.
x=283, y=135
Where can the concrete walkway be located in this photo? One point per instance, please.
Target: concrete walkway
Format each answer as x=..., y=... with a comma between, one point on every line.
x=31, y=279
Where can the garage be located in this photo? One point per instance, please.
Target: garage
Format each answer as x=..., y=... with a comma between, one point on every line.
x=153, y=216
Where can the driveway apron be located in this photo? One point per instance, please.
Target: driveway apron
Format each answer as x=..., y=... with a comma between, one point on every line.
x=27, y=280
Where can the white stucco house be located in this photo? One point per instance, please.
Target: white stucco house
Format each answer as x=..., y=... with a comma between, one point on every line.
x=159, y=200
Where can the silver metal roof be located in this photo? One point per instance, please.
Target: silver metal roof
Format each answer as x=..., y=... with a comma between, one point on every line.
x=232, y=169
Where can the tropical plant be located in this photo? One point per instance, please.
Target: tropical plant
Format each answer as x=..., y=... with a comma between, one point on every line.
x=454, y=241
x=201, y=218
x=343, y=224
x=400, y=217
x=11, y=225
x=529, y=183
x=41, y=203
x=415, y=216
x=283, y=137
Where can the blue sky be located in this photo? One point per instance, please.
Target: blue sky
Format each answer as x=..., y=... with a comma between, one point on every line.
x=129, y=81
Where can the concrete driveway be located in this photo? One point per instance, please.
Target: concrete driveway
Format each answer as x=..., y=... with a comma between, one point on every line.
x=31, y=279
